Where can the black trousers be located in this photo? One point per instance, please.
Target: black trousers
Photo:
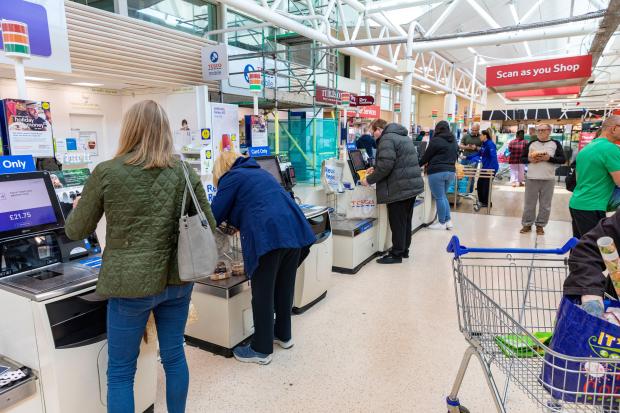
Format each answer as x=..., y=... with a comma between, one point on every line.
x=483, y=190
x=273, y=288
x=584, y=221
x=399, y=215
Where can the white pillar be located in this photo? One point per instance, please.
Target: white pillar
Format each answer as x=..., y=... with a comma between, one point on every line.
x=20, y=78
x=473, y=90
x=405, y=100
x=255, y=100
x=202, y=107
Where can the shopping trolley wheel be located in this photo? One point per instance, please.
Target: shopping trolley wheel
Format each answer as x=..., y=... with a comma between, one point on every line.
x=476, y=207
x=454, y=404
x=462, y=409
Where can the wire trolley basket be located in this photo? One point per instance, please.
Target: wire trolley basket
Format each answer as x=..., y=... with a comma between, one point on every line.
x=507, y=300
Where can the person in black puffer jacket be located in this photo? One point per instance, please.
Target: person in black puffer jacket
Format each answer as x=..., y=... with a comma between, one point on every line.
x=399, y=180
x=440, y=158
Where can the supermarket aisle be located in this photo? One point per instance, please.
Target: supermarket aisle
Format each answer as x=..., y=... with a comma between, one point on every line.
x=384, y=340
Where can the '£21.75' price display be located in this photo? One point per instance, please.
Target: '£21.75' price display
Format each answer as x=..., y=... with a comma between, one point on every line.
x=20, y=216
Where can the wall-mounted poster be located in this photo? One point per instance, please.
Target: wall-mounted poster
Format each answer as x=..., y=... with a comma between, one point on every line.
x=224, y=128
x=27, y=128
x=260, y=137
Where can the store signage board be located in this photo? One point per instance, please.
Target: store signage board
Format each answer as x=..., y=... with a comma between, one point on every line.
x=214, y=62
x=364, y=112
x=16, y=164
x=238, y=82
x=551, y=72
x=362, y=100
x=256, y=82
x=47, y=30
x=259, y=151
x=325, y=95
x=26, y=128
x=552, y=91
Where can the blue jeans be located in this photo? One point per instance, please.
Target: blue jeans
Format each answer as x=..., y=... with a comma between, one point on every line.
x=439, y=183
x=127, y=319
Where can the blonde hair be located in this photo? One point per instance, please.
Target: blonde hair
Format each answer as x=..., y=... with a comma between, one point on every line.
x=146, y=136
x=223, y=163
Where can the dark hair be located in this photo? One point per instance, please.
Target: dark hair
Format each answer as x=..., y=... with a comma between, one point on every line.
x=520, y=133
x=378, y=124
x=184, y=122
x=423, y=133
x=487, y=134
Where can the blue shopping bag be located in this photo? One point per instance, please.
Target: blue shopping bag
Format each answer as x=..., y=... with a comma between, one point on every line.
x=614, y=201
x=579, y=334
x=463, y=187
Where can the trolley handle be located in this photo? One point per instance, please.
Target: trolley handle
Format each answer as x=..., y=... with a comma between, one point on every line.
x=459, y=250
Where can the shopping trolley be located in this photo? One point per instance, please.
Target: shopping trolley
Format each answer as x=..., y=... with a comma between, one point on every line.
x=507, y=301
x=464, y=188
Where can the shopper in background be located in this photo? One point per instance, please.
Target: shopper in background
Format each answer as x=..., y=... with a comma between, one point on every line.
x=440, y=158
x=140, y=191
x=532, y=133
x=543, y=156
x=586, y=279
x=399, y=180
x=367, y=143
x=421, y=136
x=471, y=142
x=598, y=173
x=517, y=148
x=273, y=233
x=488, y=158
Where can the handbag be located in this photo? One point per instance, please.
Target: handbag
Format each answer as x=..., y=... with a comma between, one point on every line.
x=197, y=251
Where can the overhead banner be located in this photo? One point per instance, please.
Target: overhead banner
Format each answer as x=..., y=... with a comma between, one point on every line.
x=47, y=31
x=362, y=100
x=545, y=73
x=568, y=91
x=214, y=62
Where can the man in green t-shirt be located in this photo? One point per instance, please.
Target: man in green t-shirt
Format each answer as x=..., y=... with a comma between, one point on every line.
x=471, y=143
x=598, y=173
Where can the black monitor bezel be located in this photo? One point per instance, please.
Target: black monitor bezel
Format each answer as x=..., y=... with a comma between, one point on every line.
x=353, y=163
x=60, y=220
x=268, y=157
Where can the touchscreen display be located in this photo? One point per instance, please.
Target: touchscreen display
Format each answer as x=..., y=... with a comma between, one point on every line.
x=271, y=166
x=24, y=204
x=357, y=159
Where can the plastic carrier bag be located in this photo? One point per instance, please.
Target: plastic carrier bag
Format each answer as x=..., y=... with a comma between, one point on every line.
x=579, y=334
x=362, y=204
x=331, y=175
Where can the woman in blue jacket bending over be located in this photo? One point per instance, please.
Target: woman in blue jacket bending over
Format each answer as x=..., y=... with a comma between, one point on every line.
x=488, y=156
x=273, y=232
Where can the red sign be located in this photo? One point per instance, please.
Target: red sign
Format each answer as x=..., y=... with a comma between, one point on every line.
x=552, y=72
x=365, y=112
x=362, y=100
x=325, y=95
x=552, y=91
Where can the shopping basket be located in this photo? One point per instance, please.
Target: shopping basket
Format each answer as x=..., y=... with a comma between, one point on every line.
x=507, y=301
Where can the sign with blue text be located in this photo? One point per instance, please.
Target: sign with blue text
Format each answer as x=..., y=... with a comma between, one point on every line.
x=16, y=164
x=215, y=62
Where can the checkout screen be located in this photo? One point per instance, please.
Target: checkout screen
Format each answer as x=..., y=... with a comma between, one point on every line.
x=24, y=204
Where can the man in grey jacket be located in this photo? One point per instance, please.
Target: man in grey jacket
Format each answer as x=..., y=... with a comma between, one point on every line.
x=399, y=180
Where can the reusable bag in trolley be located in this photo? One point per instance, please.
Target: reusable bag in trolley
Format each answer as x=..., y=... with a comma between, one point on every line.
x=579, y=334
x=197, y=250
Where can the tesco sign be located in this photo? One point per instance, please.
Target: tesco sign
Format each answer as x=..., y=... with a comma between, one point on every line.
x=546, y=73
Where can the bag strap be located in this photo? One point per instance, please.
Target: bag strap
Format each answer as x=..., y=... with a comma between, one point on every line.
x=190, y=189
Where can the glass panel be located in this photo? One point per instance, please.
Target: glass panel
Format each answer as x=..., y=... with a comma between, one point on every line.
x=372, y=91
x=190, y=16
x=107, y=5
x=258, y=39
x=363, y=87
x=386, y=96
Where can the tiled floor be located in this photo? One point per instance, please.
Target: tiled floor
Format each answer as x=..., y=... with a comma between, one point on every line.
x=384, y=340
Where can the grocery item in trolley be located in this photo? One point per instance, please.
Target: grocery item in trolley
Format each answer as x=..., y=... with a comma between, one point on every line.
x=609, y=252
x=222, y=271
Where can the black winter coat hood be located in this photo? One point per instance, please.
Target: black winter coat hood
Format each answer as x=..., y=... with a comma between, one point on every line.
x=442, y=129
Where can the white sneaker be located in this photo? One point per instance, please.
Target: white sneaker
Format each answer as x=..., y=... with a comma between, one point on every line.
x=449, y=225
x=437, y=225
x=284, y=344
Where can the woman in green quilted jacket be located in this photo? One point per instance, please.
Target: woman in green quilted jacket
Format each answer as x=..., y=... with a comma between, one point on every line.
x=140, y=191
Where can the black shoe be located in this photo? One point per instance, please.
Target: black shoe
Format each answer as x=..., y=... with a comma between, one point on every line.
x=390, y=259
x=405, y=255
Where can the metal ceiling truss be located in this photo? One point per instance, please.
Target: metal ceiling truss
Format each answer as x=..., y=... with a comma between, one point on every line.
x=331, y=22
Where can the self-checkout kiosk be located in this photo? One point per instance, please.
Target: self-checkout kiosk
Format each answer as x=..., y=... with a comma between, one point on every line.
x=358, y=241
x=224, y=307
x=53, y=343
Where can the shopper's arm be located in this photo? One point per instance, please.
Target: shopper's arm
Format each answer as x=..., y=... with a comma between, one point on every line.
x=526, y=154
x=201, y=195
x=224, y=199
x=558, y=157
x=586, y=264
x=463, y=144
x=83, y=220
x=386, y=157
x=429, y=153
